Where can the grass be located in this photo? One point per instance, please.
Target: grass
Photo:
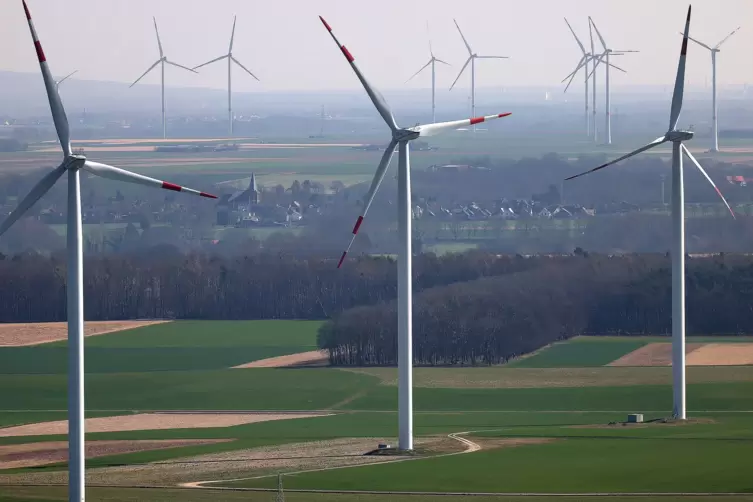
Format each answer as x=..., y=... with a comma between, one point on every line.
x=703, y=396
x=592, y=351
x=624, y=461
x=239, y=389
x=580, y=352
x=182, y=345
x=504, y=377
x=55, y=494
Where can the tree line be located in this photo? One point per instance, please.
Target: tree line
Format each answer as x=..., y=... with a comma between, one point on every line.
x=493, y=319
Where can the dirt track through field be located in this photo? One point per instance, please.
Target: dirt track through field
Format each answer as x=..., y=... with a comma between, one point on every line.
x=36, y=333
x=153, y=421
x=14, y=456
x=653, y=354
x=312, y=358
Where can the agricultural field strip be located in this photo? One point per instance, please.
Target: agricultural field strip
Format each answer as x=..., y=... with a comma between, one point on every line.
x=470, y=448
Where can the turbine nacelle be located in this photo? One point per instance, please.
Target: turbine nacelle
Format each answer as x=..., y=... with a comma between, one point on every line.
x=678, y=136
x=408, y=134
x=74, y=162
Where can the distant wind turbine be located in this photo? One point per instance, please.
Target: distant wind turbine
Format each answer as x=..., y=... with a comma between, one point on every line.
x=432, y=62
x=161, y=61
x=230, y=60
x=57, y=83
x=604, y=56
x=714, y=121
x=472, y=57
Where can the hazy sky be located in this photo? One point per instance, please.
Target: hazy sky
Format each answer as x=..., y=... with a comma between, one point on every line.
x=285, y=45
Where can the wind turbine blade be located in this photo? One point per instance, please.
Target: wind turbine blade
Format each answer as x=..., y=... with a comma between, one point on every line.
x=467, y=46
x=600, y=59
x=591, y=34
x=461, y=72
x=159, y=42
x=727, y=37
x=582, y=62
x=705, y=174
x=440, y=127
x=33, y=196
x=698, y=42
x=232, y=36
x=492, y=57
x=376, y=97
x=576, y=37
x=598, y=33
x=244, y=68
x=67, y=77
x=680, y=80
x=656, y=142
x=210, y=62
x=180, y=66
x=117, y=174
x=419, y=71
x=428, y=35
x=443, y=62
x=144, y=74
x=378, y=177
x=56, y=106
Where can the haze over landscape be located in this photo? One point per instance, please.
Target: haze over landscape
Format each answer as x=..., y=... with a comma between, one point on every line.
x=343, y=283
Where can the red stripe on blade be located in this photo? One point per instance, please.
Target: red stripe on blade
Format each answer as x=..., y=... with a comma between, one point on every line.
x=347, y=54
x=358, y=225
x=40, y=52
x=326, y=24
x=171, y=186
x=477, y=120
x=504, y=114
x=26, y=9
x=207, y=195
x=342, y=258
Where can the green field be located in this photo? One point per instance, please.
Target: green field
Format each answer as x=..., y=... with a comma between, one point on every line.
x=583, y=352
x=186, y=345
x=540, y=422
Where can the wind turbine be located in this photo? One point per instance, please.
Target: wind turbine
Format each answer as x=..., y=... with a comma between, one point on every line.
x=432, y=62
x=676, y=137
x=607, y=52
x=73, y=165
x=714, y=51
x=582, y=63
x=472, y=57
x=161, y=61
x=230, y=60
x=401, y=137
x=57, y=83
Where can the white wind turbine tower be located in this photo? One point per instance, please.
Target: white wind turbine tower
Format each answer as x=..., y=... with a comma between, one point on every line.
x=73, y=165
x=714, y=51
x=401, y=137
x=582, y=63
x=57, y=83
x=230, y=60
x=604, y=56
x=432, y=62
x=472, y=57
x=161, y=61
x=676, y=137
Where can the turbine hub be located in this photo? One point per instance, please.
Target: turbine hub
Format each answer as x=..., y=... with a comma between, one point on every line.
x=679, y=135
x=74, y=161
x=407, y=134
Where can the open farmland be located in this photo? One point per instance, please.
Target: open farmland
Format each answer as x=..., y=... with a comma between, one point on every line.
x=470, y=423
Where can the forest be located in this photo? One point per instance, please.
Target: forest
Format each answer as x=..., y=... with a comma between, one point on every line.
x=471, y=308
